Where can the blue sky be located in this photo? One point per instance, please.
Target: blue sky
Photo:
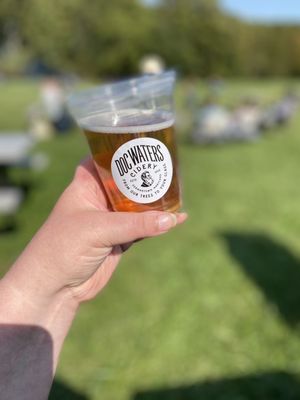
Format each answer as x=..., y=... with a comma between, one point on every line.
x=265, y=10
x=261, y=10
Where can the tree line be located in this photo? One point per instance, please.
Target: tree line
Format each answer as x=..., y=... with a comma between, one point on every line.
x=109, y=37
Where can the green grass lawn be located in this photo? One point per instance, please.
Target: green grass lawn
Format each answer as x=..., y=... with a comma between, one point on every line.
x=209, y=311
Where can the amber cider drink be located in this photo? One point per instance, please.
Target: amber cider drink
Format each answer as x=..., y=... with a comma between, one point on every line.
x=136, y=161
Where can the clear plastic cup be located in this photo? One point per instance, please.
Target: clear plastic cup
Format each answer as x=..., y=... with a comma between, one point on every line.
x=129, y=126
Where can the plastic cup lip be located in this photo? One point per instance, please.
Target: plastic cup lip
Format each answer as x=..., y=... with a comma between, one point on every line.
x=106, y=97
x=166, y=120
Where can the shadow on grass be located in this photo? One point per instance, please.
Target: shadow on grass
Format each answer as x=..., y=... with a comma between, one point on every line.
x=273, y=267
x=60, y=391
x=7, y=225
x=273, y=385
x=27, y=186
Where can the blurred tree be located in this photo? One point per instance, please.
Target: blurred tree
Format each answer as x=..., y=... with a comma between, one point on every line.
x=98, y=37
x=266, y=50
x=294, y=52
x=14, y=54
x=193, y=35
x=109, y=38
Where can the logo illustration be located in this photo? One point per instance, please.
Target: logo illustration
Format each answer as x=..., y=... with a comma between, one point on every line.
x=147, y=179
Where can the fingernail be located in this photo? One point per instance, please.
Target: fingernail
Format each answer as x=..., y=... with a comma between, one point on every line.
x=181, y=217
x=166, y=222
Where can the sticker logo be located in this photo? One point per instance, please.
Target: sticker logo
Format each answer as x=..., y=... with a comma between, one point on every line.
x=142, y=170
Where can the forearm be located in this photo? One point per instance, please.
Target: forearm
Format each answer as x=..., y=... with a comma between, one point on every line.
x=33, y=327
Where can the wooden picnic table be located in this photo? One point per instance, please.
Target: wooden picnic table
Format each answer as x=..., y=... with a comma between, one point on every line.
x=14, y=149
x=10, y=200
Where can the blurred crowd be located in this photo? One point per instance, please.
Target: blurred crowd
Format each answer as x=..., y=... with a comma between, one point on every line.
x=49, y=115
x=247, y=121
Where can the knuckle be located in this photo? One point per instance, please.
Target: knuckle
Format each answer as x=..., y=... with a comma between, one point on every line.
x=78, y=171
x=146, y=223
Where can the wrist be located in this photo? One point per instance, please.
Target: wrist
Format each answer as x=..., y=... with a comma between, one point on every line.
x=33, y=306
x=27, y=305
x=34, y=278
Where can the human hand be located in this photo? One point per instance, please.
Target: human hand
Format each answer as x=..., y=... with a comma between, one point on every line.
x=82, y=241
x=69, y=260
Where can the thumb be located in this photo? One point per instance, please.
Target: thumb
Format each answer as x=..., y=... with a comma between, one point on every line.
x=123, y=227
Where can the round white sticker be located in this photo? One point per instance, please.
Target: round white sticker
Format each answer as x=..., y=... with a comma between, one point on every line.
x=142, y=169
